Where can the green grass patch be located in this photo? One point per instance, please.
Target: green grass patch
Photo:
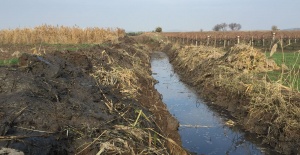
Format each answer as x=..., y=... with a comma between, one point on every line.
x=291, y=76
x=9, y=62
x=288, y=58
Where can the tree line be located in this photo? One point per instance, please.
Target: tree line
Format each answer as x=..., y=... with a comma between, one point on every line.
x=225, y=26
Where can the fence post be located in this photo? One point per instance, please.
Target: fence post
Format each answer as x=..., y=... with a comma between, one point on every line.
x=208, y=38
x=273, y=37
x=238, y=39
x=215, y=41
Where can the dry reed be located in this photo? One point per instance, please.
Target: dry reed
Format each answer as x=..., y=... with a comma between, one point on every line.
x=59, y=35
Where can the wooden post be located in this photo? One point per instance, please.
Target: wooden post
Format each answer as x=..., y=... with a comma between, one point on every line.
x=273, y=36
x=215, y=41
x=263, y=40
x=238, y=39
x=252, y=41
x=208, y=38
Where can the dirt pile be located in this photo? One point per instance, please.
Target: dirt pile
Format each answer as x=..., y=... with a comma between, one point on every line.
x=230, y=80
x=100, y=100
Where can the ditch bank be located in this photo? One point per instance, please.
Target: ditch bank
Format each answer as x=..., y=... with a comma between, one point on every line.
x=96, y=100
x=229, y=80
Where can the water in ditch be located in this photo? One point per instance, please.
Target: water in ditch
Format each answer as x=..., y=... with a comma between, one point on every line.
x=202, y=129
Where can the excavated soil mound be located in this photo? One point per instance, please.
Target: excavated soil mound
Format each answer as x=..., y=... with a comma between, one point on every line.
x=230, y=80
x=100, y=100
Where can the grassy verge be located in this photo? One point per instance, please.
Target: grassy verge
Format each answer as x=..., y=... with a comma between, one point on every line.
x=290, y=75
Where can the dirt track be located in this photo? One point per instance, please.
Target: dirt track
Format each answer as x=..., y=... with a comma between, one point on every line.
x=87, y=101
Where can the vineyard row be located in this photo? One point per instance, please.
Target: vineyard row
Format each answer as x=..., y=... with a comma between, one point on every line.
x=289, y=40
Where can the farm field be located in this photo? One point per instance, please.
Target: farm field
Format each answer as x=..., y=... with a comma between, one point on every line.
x=260, y=39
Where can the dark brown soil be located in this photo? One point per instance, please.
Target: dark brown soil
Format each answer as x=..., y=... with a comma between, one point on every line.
x=51, y=103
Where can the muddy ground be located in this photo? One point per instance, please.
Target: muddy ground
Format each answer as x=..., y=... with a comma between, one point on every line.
x=98, y=99
x=226, y=80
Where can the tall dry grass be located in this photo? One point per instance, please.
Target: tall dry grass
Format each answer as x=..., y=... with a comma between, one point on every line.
x=59, y=35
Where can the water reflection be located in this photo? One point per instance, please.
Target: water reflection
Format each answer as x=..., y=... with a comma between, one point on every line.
x=202, y=130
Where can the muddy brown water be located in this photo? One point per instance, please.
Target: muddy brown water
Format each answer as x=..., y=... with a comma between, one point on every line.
x=202, y=128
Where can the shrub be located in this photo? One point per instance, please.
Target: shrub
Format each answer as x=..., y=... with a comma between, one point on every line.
x=158, y=29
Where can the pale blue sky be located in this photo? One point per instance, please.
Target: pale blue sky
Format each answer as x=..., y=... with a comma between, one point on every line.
x=145, y=15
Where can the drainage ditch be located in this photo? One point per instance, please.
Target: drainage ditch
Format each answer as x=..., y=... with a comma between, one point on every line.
x=203, y=129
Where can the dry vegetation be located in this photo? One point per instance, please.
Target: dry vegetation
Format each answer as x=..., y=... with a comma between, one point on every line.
x=123, y=78
x=230, y=79
x=59, y=35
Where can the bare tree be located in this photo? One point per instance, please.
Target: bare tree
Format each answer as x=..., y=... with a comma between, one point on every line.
x=224, y=26
x=235, y=26
x=220, y=27
x=217, y=27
